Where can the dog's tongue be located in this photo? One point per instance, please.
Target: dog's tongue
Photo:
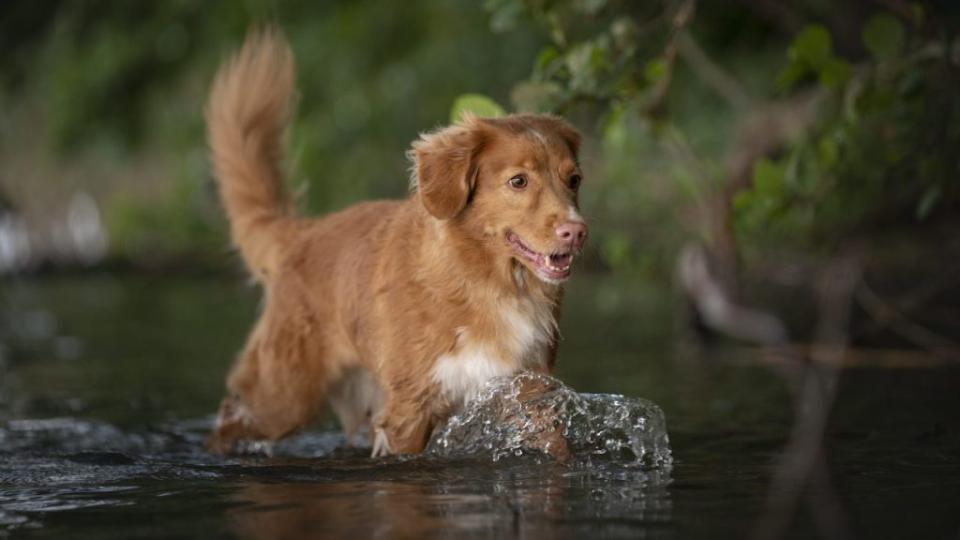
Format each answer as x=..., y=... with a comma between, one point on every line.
x=561, y=260
x=557, y=265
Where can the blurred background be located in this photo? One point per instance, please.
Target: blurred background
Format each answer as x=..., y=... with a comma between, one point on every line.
x=773, y=134
x=769, y=185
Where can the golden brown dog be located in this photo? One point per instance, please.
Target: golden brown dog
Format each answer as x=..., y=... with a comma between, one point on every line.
x=397, y=312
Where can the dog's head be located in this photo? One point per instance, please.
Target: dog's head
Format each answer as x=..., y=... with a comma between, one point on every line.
x=510, y=184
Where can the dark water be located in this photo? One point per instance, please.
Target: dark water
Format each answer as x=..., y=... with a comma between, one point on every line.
x=107, y=384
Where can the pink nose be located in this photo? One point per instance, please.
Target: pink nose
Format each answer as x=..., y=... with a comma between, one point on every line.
x=573, y=233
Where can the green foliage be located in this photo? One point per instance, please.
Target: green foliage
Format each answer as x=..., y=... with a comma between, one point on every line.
x=878, y=154
x=132, y=78
x=592, y=57
x=605, y=59
x=811, y=54
x=883, y=36
x=874, y=154
x=476, y=104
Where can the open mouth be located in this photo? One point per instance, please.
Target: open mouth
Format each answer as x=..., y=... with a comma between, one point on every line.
x=552, y=267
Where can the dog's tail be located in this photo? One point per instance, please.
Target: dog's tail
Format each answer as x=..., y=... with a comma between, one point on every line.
x=249, y=107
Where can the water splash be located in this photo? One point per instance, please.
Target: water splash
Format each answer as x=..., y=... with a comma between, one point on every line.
x=63, y=465
x=506, y=419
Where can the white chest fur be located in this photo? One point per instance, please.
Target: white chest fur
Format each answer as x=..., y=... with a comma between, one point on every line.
x=522, y=341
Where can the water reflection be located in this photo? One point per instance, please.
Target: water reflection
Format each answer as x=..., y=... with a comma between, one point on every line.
x=365, y=509
x=314, y=487
x=427, y=498
x=99, y=444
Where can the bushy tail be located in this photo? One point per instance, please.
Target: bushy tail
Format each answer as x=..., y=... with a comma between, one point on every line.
x=248, y=110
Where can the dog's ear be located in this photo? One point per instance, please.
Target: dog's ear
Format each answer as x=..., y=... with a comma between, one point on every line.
x=445, y=167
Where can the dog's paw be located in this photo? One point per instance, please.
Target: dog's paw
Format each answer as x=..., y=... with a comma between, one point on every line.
x=381, y=445
x=233, y=425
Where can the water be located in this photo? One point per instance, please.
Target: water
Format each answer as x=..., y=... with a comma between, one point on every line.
x=107, y=385
x=505, y=421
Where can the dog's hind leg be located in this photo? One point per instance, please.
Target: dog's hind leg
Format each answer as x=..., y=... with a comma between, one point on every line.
x=279, y=383
x=356, y=398
x=234, y=419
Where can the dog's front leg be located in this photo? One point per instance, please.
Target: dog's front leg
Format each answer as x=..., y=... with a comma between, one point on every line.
x=381, y=443
x=542, y=421
x=402, y=428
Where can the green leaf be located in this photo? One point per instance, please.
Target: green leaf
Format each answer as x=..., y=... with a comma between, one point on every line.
x=828, y=151
x=768, y=177
x=791, y=75
x=478, y=104
x=883, y=36
x=655, y=70
x=743, y=200
x=928, y=201
x=813, y=45
x=546, y=60
x=834, y=73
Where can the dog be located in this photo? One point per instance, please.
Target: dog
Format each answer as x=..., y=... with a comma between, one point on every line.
x=396, y=311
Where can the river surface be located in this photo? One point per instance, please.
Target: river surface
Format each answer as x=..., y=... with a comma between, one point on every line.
x=108, y=383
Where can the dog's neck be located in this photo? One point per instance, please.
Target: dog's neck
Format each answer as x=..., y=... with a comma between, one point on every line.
x=506, y=317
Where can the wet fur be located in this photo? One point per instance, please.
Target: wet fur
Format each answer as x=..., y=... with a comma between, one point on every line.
x=362, y=305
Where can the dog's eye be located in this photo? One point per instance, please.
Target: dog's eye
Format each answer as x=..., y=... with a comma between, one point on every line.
x=518, y=182
x=575, y=182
